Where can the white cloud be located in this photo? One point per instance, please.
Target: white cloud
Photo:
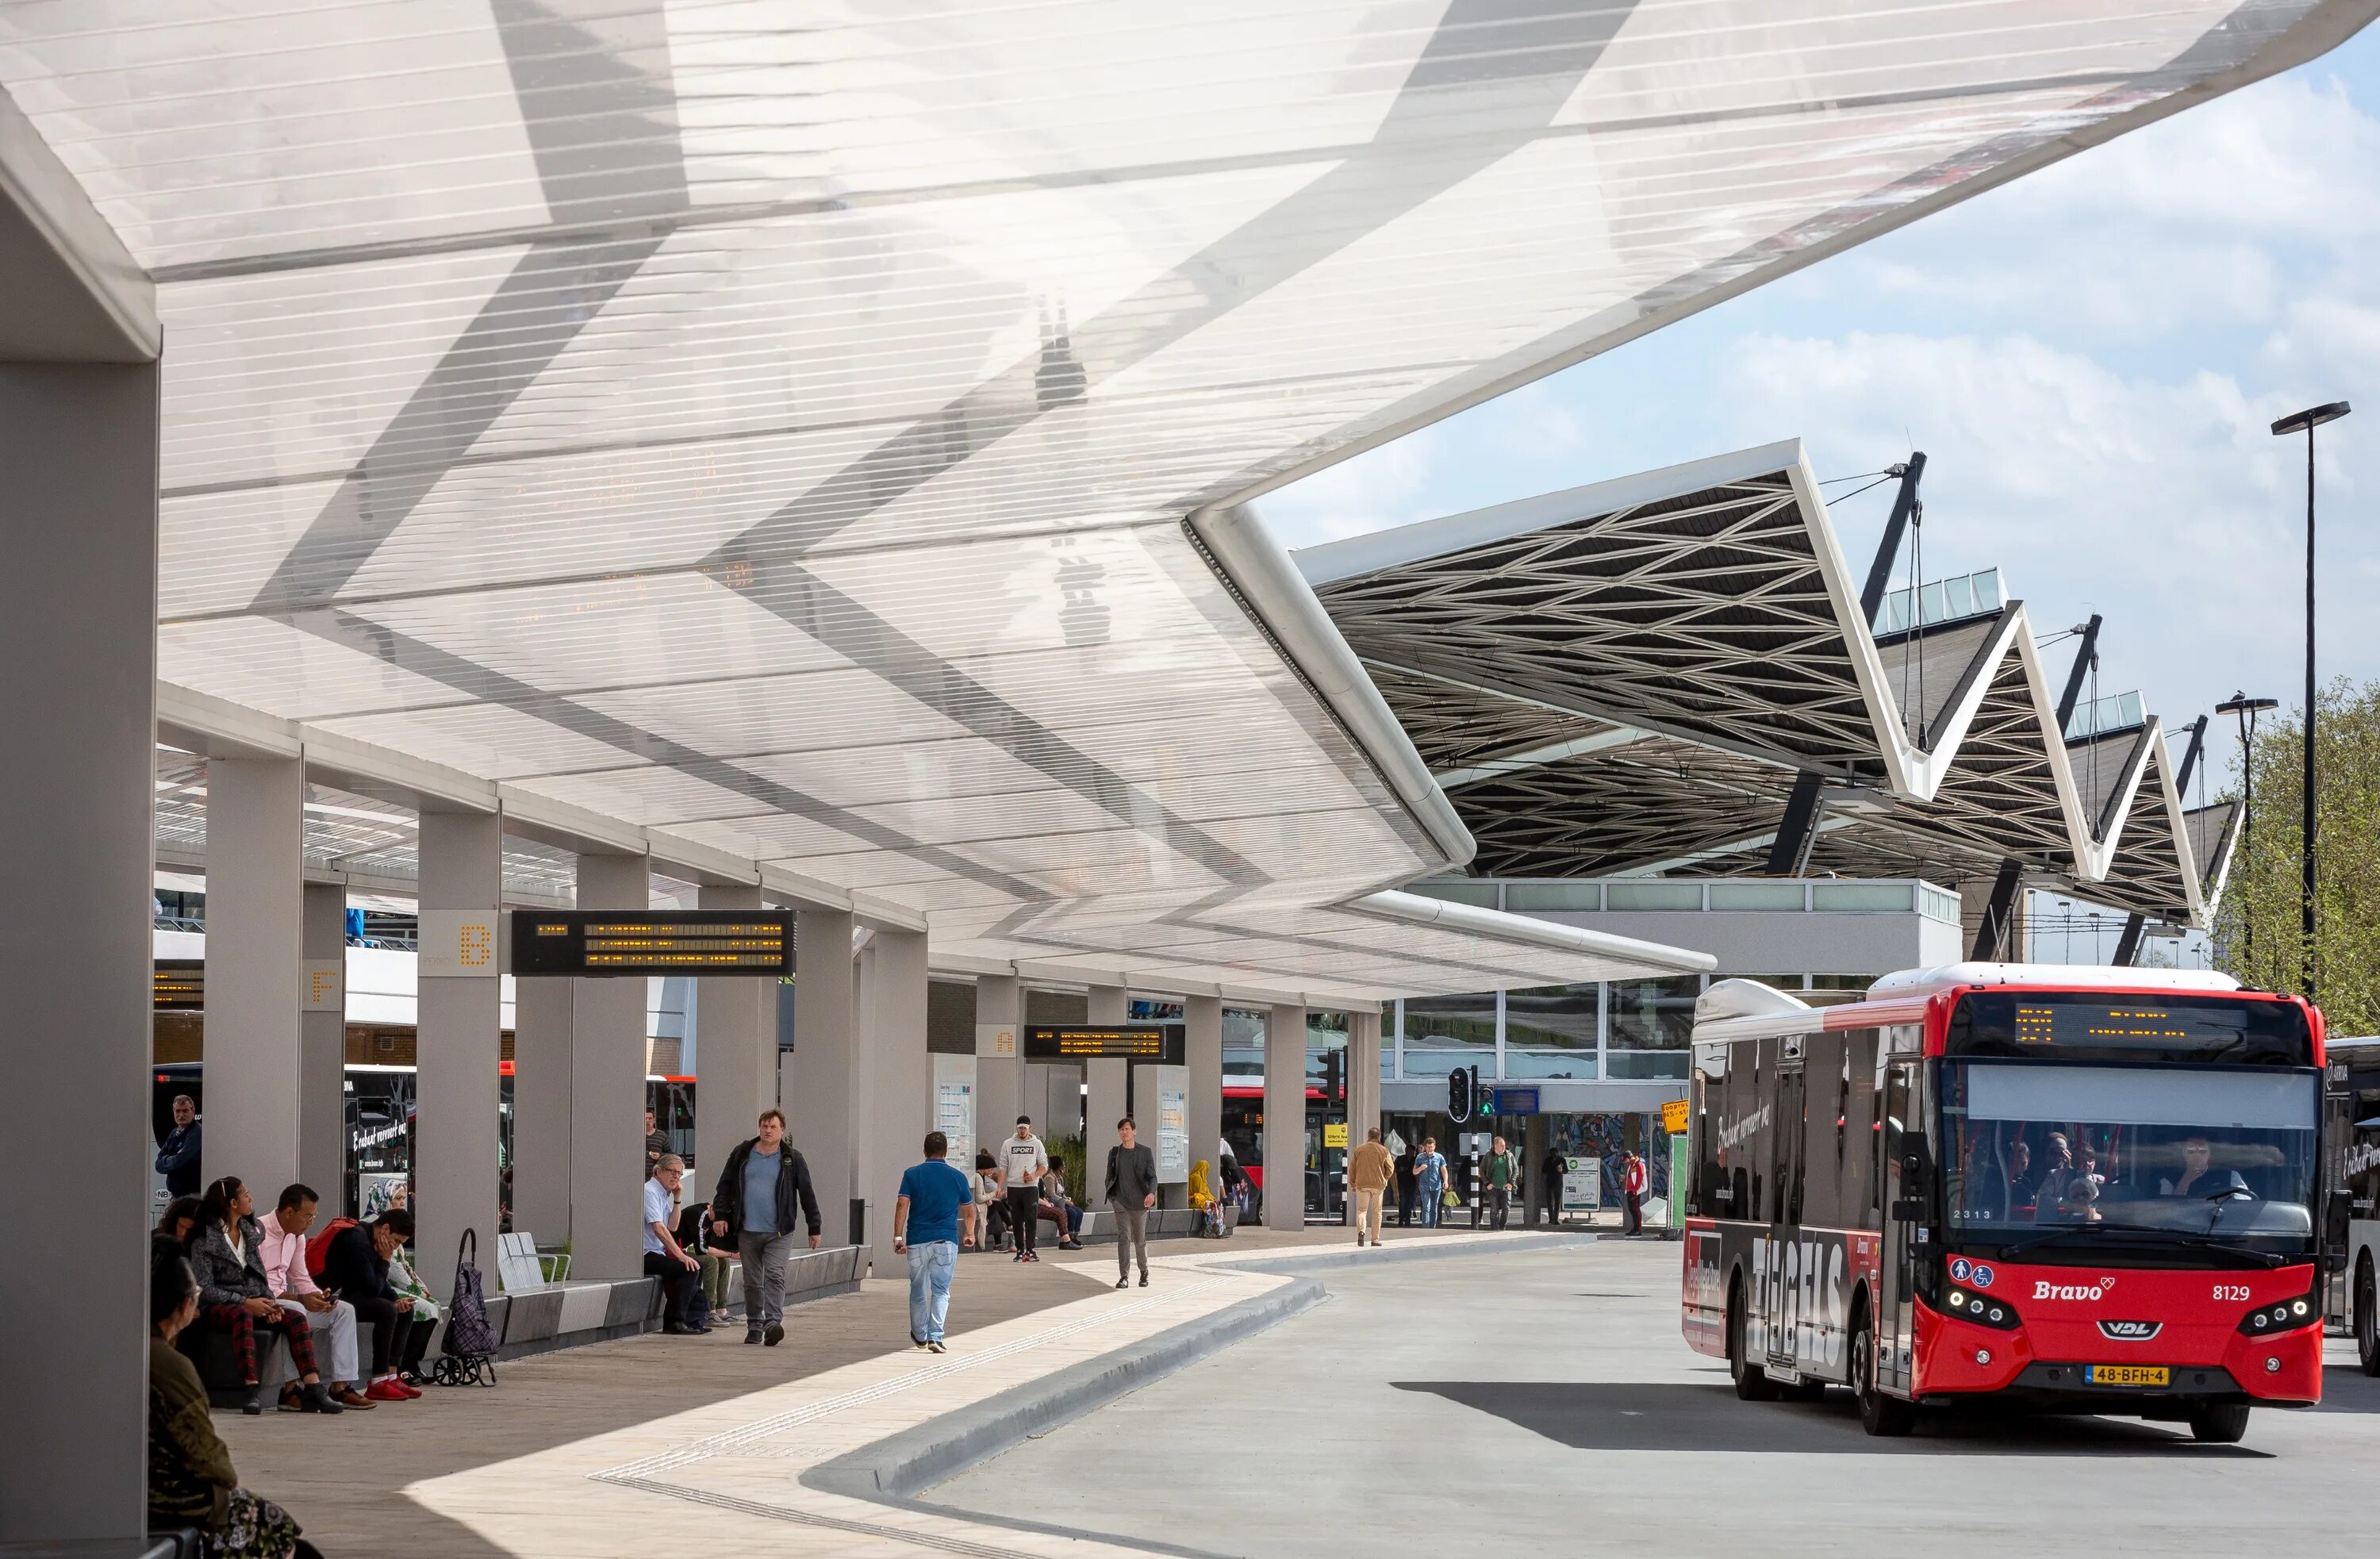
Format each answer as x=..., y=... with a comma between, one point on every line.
x=1372, y=492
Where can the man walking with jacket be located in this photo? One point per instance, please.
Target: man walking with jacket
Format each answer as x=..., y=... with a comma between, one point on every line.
x=1022, y=1161
x=1132, y=1191
x=757, y=1189
x=1370, y=1171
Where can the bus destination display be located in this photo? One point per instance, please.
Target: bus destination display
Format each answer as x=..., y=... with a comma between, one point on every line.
x=1137, y=1041
x=708, y=942
x=2201, y=1026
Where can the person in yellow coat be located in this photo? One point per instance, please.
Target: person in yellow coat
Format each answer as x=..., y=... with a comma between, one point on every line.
x=1202, y=1196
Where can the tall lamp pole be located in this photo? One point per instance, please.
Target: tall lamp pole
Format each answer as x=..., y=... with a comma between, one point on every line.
x=2307, y=421
x=2247, y=709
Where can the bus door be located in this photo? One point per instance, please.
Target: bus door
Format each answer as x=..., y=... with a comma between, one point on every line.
x=1781, y=1304
x=1903, y=1216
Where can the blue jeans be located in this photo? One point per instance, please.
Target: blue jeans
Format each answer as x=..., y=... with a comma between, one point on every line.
x=1433, y=1195
x=930, y=1266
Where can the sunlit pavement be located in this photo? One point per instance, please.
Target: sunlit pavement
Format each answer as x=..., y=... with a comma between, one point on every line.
x=1543, y=1403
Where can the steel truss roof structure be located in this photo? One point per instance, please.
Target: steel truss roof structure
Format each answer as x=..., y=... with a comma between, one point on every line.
x=761, y=432
x=1630, y=677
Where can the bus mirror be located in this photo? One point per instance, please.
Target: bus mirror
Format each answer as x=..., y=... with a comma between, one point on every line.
x=2335, y=1217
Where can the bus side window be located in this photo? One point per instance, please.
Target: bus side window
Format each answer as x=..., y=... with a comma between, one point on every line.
x=1863, y=1203
x=1822, y=1201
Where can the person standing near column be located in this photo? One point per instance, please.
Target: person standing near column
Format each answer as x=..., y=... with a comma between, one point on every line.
x=1022, y=1161
x=1552, y=1169
x=1632, y=1189
x=932, y=1217
x=1370, y=1172
x=759, y=1185
x=1132, y=1191
x=1499, y=1184
x=177, y=1157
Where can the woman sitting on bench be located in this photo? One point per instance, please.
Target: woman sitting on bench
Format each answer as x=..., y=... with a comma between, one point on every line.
x=227, y=1252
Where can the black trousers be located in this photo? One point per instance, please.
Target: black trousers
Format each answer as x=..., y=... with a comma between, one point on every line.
x=1404, y=1204
x=1553, y=1199
x=1022, y=1201
x=391, y=1330
x=676, y=1283
x=1499, y=1205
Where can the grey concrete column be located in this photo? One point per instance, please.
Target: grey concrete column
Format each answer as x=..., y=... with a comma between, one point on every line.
x=1533, y=1179
x=78, y=634
x=735, y=1056
x=1202, y=1020
x=542, y=1076
x=901, y=1075
x=322, y=1043
x=820, y=1101
x=1104, y=1102
x=999, y=1057
x=458, y=1043
x=1284, y=1124
x=256, y=822
x=1363, y=1083
x=607, y=1090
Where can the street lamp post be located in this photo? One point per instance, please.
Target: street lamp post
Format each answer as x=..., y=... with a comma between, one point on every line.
x=2308, y=420
x=2247, y=709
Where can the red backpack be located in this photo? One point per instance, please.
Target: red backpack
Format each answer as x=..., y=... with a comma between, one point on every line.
x=318, y=1248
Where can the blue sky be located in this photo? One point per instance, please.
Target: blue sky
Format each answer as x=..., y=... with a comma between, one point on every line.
x=2090, y=357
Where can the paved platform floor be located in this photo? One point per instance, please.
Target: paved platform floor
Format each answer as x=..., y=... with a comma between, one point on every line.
x=385, y=1482
x=1542, y=1402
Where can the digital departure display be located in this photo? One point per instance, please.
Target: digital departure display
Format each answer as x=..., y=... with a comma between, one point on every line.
x=2130, y=1026
x=1137, y=1041
x=758, y=942
x=181, y=985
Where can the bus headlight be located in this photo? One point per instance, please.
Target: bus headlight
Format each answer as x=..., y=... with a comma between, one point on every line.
x=2284, y=1316
x=1981, y=1309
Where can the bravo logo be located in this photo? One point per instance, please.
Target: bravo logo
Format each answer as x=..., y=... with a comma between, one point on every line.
x=2045, y=1289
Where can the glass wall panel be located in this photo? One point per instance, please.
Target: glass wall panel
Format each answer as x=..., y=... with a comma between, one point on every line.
x=1863, y=897
x=1523, y=896
x=1444, y=1032
x=1244, y=1037
x=1756, y=895
x=1829, y=990
x=1654, y=1015
x=1551, y=1031
x=1654, y=895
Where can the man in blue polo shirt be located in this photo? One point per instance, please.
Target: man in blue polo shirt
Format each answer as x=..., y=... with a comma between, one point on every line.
x=932, y=1217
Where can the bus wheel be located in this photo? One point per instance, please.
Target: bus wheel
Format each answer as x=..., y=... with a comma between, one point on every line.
x=1886, y=1417
x=2367, y=1316
x=2219, y=1423
x=1751, y=1381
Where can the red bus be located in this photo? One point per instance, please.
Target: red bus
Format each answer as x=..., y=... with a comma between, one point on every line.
x=2082, y=1190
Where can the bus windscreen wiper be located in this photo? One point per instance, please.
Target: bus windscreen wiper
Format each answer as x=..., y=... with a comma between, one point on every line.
x=2156, y=1237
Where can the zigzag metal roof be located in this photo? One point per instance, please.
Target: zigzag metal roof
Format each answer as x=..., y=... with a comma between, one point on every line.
x=1630, y=676
x=760, y=432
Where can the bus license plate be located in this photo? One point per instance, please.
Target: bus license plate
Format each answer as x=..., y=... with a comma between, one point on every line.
x=2125, y=1375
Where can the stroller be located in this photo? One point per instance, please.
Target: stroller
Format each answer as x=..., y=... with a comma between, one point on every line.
x=470, y=1354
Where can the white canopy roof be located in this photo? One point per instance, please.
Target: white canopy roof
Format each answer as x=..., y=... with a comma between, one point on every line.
x=764, y=428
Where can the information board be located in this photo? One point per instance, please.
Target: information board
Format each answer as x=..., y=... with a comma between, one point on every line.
x=180, y=985
x=954, y=1083
x=1582, y=1185
x=1173, y=1087
x=1157, y=1042
x=699, y=942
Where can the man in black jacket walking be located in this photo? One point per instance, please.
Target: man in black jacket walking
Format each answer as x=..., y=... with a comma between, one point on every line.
x=1132, y=1191
x=754, y=1201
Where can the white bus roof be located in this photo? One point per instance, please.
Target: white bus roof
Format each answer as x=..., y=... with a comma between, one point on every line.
x=1745, y=1009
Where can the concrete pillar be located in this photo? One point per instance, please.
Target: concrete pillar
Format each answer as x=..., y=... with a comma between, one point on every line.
x=735, y=1053
x=1532, y=1175
x=607, y=1089
x=1363, y=1084
x=820, y=1101
x=77, y=634
x=999, y=1057
x=1284, y=1122
x=542, y=1066
x=1103, y=1105
x=901, y=1077
x=1202, y=1021
x=322, y=1043
x=256, y=822
x=458, y=1043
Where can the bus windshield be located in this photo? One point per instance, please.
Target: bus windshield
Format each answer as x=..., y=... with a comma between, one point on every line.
x=2206, y=1151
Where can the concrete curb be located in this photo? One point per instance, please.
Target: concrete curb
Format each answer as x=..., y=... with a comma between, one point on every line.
x=897, y=1467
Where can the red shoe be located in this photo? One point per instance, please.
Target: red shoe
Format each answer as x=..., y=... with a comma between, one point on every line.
x=388, y=1391
x=410, y=1392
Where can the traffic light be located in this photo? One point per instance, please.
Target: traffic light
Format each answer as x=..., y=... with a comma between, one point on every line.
x=1462, y=1088
x=1334, y=1077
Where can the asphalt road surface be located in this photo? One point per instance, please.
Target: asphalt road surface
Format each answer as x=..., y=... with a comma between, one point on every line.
x=1544, y=1402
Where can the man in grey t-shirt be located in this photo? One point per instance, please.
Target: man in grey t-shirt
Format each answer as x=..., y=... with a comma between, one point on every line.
x=1132, y=1191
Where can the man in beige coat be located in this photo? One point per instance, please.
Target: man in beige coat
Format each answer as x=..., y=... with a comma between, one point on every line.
x=1370, y=1172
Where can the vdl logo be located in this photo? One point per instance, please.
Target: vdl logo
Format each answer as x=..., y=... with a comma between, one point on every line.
x=1975, y=1273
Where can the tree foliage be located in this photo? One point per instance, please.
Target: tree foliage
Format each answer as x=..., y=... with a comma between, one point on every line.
x=2258, y=934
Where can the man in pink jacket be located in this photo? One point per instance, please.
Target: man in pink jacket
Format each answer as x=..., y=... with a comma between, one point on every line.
x=332, y=1319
